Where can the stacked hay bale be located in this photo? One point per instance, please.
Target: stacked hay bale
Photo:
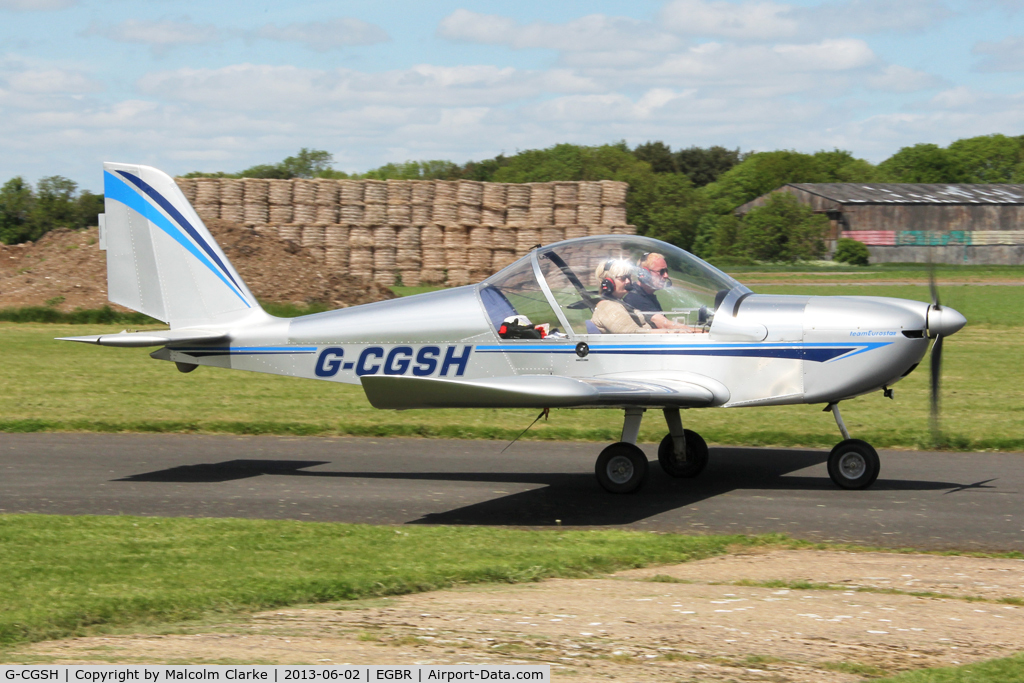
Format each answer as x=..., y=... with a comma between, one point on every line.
x=336, y=248
x=429, y=232
x=281, y=203
x=408, y=259
x=360, y=257
x=494, y=214
x=188, y=188
x=313, y=239
x=495, y=196
x=588, y=209
x=433, y=255
x=399, y=193
x=613, y=206
x=445, y=208
x=384, y=239
x=291, y=232
x=517, y=205
x=375, y=202
x=422, y=199
x=304, y=201
x=231, y=199
x=350, y=196
x=456, y=241
x=207, y=203
x=255, y=201
x=327, y=208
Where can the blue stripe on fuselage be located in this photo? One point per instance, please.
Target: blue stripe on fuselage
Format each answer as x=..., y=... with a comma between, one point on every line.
x=814, y=351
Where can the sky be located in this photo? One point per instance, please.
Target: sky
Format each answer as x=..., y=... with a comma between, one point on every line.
x=223, y=85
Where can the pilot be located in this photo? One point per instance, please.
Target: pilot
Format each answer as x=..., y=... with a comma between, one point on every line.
x=652, y=275
x=611, y=316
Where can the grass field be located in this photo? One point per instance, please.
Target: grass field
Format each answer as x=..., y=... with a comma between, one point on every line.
x=1007, y=670
x=63, y=575
x=66, y=576
x=50, y=385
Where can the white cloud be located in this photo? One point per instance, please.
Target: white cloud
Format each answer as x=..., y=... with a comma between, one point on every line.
x=322, y=36
x=900, y=79
x=51, y=81
x=717, y=18
x=36, y=5
x=288, y=88
x=593, y=33
x=161, y=35
x=1005, y=55
x=873, y=16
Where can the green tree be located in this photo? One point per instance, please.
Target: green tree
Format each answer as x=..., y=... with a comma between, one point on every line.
x=667, y=207
x=416, y=170
x=760, y=173
x=851, y=251
x=923, y=163
x=659, y=156
x=782, y=230
x=308, y=163
x=16, y=200
x=87, y=207
x=989, y=158
x=55, y=206
x=705, y=164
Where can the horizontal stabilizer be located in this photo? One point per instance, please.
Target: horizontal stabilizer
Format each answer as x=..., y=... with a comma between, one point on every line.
x=154, y=338
x=529, y=391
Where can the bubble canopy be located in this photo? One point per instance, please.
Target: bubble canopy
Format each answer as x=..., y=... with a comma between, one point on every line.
x=560, y=286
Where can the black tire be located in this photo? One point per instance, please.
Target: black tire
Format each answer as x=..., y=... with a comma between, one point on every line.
x=853, y=464
x=621, y=468
x=696, y=456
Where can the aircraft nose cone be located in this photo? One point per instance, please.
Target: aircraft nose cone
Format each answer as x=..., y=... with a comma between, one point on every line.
x=944, y=321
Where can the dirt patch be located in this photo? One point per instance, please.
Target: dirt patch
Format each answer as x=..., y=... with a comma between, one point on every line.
x=66, y=269
x=684, y=622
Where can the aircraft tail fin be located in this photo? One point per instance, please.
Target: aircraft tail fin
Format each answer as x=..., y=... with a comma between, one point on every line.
x=161, y=258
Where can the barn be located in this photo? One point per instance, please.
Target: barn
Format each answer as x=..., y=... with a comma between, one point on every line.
x=903, y=222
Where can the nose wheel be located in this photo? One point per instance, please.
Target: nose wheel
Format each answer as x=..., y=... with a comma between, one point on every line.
x=852, y=464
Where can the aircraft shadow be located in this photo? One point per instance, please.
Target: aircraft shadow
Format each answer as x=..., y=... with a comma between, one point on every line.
x=574, y=499
x=229, y=470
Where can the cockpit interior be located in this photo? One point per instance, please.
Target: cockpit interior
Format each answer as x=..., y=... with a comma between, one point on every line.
x=611, y=284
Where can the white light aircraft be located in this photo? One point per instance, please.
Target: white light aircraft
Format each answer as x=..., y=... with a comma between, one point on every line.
x=598, y=322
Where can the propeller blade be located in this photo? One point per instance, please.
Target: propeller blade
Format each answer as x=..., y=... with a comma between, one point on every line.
x=936, y=368
x=931, y=285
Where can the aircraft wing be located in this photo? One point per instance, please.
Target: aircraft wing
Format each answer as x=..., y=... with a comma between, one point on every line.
x=538, y=391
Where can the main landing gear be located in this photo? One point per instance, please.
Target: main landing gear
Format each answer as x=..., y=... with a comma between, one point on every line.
x=852, y=464
x=622, y=467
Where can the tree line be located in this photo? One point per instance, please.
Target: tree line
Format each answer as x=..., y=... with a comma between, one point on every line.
x=685, y=196
x=28, y=213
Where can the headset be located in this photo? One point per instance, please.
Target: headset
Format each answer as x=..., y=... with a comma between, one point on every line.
x=607, y=284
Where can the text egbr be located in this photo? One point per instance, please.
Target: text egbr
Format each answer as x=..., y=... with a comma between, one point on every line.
x=399, y=360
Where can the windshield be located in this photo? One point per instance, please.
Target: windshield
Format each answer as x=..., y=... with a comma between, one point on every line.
x=618, y=284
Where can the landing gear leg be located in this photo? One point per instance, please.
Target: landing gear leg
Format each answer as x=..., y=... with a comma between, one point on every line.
x=852, y=464
x=622, y=467
x=682, y=453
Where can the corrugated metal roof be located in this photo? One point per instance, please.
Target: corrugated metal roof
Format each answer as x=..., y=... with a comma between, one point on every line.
x=910, y=193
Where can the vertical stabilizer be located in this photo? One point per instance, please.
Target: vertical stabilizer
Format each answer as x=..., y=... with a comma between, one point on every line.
x=161, y=259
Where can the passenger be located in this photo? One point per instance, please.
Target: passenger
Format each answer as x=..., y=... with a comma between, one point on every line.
x=652, y=275
x=611, y=316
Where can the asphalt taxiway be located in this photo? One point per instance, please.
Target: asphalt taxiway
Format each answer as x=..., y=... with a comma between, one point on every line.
x=926, y=500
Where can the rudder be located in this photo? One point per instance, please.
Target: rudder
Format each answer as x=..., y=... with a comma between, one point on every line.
x=161, y=258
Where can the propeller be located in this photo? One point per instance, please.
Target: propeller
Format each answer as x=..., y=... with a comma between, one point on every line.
x=936, y=361
x=942, y=322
